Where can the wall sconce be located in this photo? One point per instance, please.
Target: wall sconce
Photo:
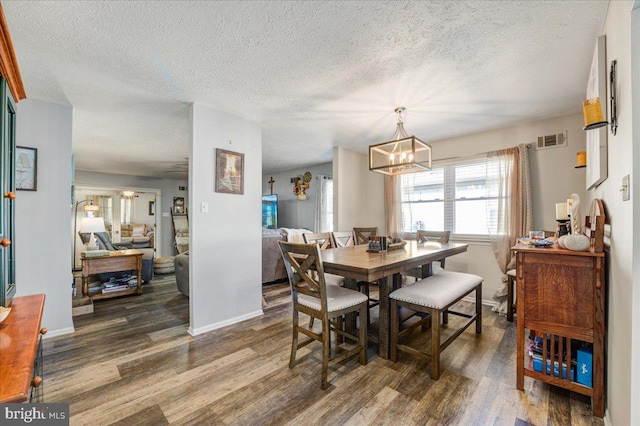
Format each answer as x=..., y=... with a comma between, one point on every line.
x=300, y=185
x=613, y=100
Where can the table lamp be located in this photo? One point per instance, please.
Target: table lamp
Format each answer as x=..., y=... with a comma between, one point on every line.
x=91, y=225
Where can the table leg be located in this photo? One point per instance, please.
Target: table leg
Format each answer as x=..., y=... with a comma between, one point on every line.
x=350, y=320
x=139, y=287
x=387, y=285
x=85, y=281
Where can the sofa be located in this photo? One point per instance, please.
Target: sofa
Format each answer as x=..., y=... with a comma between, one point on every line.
x=137, y=235
x=104, y=243
x=272, y=264
x=181, y=263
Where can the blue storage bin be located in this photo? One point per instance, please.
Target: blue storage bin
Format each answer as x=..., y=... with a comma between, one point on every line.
x=537, y=366
x=585, y=367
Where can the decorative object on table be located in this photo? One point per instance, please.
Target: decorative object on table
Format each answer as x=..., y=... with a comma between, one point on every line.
x=300, y=185
x=402, y=154
x=229, y=172
x=573, y=207
x=595, y=115
x=577, y=242
x=271, y=182
x=613, y=100
x=581, y=159
x=536, y=235
x=562, y=217
x=377, y=244
x=561, y=241
x=26, y=168
x=4, y=313
x=395, y=243
x=538, y=242
x=96, y=253
x=91, y=225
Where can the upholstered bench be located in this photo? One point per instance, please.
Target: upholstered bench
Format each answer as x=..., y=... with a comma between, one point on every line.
x=434, y=295
x=164, y=265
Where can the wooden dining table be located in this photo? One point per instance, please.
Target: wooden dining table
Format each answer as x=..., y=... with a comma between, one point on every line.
x=356, y=264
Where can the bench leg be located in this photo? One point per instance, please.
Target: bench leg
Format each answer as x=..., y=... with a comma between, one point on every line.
x=510, y=281
x=479, y=309
x=435, y=344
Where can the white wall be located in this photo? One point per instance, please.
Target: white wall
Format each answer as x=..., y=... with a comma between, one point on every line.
x=620, y=362
x=43, y=217
x=225, y=243
x=293, y=213
x=635, y=197
x=168, y=188
x=358, y=194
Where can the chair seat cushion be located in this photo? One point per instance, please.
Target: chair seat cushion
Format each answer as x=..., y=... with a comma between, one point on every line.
x=337, y=298
x=438, y=291
x=511, y=272
x=335, y=280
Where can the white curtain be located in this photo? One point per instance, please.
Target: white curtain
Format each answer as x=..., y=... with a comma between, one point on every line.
x=508, y=183
x=324, y=204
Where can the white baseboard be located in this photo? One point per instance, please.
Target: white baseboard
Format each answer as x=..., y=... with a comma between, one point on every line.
x=485, y=302
x=215, y=326
x=607, y=418
x=60, y=332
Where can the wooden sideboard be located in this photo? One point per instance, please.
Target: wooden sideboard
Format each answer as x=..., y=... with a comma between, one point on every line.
x=19, y=342
x=561, y=300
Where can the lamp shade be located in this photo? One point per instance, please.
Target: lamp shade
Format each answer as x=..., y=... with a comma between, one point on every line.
x=91, y=208
x=92, y=224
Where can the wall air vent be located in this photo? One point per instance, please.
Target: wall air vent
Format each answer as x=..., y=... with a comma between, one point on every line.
x=552, y=141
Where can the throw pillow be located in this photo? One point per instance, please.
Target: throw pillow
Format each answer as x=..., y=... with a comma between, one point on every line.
x=137, y=231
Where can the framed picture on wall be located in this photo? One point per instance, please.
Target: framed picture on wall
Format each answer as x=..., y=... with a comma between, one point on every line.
x=597, y=138
x=152, y=208
x=229, y=172
x=26, y=168
x=178, y=205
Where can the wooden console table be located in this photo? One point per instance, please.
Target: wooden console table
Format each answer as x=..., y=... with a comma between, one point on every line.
x=19, y=341
x=561, y=298
x=120, y=260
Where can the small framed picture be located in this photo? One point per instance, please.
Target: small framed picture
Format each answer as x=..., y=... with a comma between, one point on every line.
x=152, y=208
x=26, y=168
x=229, y=172
x=178, y=205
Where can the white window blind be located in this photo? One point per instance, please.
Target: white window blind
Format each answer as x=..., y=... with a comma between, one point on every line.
x=456, y=197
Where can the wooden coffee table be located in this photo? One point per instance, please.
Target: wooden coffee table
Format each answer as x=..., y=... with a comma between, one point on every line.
x=120, y=260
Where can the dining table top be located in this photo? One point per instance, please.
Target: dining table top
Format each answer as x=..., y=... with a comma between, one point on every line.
x=357, y=263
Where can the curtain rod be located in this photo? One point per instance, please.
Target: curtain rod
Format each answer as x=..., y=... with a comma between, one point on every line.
x=529, y=146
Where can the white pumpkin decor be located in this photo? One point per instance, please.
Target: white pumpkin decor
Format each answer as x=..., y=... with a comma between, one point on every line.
x=561, y=241
x=577, y=242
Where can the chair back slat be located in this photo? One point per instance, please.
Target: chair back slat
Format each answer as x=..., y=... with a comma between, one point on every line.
x=322, y=238
x=361, y=235
x=423, y=236
x=343, y=239
x=303, y=263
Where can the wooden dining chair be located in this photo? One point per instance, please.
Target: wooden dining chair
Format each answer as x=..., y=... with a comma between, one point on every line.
x=422, y=237
x=313, y=297
x=361, y=235
x=324, y=239
x=343, y=239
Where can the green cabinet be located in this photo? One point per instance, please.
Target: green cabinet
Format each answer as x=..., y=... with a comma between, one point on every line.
x=8, y=188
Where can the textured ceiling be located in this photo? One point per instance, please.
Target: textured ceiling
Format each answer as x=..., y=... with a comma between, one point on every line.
x=314, y=74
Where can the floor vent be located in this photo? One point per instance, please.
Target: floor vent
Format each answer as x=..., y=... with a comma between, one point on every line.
x=552, y=141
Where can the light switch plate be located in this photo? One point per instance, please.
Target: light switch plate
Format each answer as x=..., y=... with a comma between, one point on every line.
x=204, y=207
x=626, y=190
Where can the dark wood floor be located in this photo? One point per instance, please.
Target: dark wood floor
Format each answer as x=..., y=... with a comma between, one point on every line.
x=132, y=362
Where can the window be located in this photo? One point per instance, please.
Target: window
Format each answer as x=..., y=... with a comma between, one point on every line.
x=329, y=204
x=451, y=197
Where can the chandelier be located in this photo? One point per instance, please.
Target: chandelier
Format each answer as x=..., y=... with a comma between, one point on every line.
x=403, y=154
